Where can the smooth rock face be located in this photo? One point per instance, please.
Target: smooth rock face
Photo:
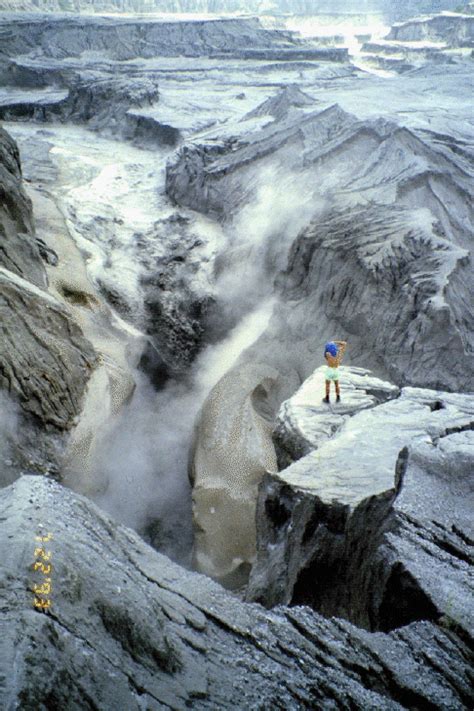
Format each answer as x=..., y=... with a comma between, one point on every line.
x=129, y=629
x=369, y=523
x=227, y=464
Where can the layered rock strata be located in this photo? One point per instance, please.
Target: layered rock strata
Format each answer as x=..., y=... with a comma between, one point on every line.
x=101, y=100
x=124, y=39
x=45, y=360
x=128, y=628
x=455, y=30
x=385, y=258
x=374, y=522
x=442, y=39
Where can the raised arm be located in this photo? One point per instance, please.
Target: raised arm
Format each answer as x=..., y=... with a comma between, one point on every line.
x=341, y=348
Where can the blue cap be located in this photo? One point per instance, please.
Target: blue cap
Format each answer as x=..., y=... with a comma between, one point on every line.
x=330, y=348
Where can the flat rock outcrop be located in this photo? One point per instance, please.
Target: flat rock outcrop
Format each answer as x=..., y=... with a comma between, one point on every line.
x=127, y=629
x=373, y=524
x=304, y=422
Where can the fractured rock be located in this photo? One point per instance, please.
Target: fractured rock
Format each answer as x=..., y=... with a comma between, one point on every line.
x=44, y=358
x=370, y=522
x=304, y=422
x=128, y=628
x=386, y=258
x=456, y=30
x=19, y=252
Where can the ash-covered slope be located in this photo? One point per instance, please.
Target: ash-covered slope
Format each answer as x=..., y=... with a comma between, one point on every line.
x=386, y=258
x=454, y=30
x=408, y=8
x=127, y=629
x=100, y=99
x=45, y=361
x=20, y=253
x=60, y=36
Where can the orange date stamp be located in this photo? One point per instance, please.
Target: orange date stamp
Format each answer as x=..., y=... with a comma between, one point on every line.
x=42, y=567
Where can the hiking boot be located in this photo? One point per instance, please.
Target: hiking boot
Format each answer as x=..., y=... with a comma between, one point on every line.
x=338, y=399
x=326, y=400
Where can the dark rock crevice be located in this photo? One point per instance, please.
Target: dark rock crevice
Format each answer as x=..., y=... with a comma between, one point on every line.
x=396, y=557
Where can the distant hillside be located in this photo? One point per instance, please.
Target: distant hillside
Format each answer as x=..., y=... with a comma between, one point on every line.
x=390, y=9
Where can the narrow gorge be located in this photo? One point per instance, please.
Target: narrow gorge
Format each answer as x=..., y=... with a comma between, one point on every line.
x=191, y=206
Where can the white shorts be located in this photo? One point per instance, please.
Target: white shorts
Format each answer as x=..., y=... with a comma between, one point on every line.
x=332, y=374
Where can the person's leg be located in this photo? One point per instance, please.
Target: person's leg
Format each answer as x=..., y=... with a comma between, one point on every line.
x=328, y=383
x=338, y=391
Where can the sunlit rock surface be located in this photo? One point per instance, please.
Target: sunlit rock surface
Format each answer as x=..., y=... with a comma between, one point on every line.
x=128, y=628
x=374, y=523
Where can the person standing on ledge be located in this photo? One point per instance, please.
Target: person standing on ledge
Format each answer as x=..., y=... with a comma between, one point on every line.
x=333, y=352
